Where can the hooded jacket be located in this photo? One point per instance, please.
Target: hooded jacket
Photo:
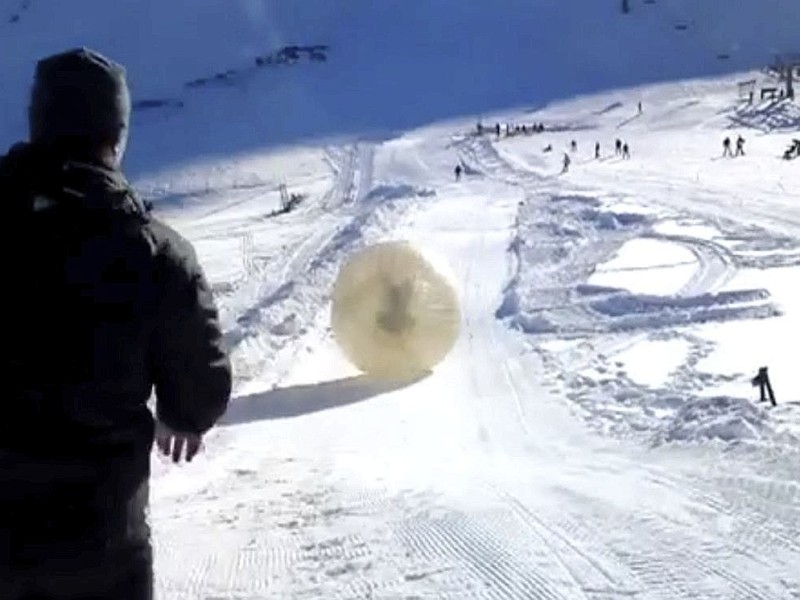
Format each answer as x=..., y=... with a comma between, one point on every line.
x=105, y=304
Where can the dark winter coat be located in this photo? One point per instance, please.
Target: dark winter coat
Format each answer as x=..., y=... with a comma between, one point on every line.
x=104, y=303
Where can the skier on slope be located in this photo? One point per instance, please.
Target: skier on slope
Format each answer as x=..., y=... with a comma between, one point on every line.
x=597, y=150
x=566, y=164
x=739, y=146
x=109, y=302
x=458, y=170
x=618, y=147
x=626, y=150
x=726, y=147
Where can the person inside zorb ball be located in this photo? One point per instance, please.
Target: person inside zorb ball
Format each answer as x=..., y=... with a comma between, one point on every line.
x=395, y=311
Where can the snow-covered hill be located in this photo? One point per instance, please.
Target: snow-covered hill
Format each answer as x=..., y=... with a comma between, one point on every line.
x=392, y=64
x=593, y=435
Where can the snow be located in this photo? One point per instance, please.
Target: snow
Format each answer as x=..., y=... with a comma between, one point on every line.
x=718, y=418
x=594, y=433
x=647, y=266
x=740, y=345
x=650, y=363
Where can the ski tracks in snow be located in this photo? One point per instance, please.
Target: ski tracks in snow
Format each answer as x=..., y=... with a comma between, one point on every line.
x=277, y=302
x=642, y=554
x=546, y=511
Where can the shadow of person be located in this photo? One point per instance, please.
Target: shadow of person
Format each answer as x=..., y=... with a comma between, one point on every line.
x=299, y=400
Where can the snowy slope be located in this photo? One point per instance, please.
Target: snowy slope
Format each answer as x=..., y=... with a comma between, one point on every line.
x=674, y=237
x=393, y=64
x=481, y=481
x=593, y=435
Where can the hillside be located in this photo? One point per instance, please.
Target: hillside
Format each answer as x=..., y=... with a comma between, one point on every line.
x=391, y=65
x=594, y=433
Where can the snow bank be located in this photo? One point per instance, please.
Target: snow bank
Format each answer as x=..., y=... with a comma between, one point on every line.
x=397, y=191
x=720, y=418
x=622, y=305
x=606, y=219
x=553, y=237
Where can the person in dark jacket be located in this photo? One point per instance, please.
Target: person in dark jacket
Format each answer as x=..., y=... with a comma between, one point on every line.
x=739, y=146
x=566, y=163
x=726, y=147
x=108, y=305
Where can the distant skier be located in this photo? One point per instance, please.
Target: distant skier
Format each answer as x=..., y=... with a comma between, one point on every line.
x=567, y=162
x=597, y=150
x=497, y=129
x=726, y=147
x=618, y=147
x=574, y=146
x=458, y=171
x=739, y=146
x=640, y=107
x=626, y=151
x=548, y=148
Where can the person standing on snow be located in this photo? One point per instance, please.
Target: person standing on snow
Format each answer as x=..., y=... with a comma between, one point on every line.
x=567, y=162
x=109, y=303
x=574, y=146
x=739, y=146
x=626, y=151
x=597, y=150
x=458, y=171
x=726, y=147
x=618, y=147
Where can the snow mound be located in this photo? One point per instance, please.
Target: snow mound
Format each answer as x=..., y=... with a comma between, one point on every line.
x=586, y=289
x=398, y=191
x=628, y=304
x=612, y=220
x=720, y=418
x=534, y=324
x=509, y=307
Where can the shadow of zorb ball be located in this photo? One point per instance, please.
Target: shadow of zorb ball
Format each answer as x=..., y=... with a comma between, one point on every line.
x=395, y=312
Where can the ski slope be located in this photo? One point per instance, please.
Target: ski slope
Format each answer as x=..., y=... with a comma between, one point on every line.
x=594, y=434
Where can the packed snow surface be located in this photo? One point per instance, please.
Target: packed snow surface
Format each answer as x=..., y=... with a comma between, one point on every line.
x=594, y=434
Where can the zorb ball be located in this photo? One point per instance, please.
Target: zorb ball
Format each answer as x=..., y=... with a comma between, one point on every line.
x=395, y=312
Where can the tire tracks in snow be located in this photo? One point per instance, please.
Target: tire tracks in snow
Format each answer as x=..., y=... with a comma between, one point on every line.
x=681, y=552
x=716, y=264
x=481, y=555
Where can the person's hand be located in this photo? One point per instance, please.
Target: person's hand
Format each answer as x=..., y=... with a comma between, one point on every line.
x=173, y=443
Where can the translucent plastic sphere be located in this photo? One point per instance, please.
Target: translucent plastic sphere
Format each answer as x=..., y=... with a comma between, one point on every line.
x=395, y=311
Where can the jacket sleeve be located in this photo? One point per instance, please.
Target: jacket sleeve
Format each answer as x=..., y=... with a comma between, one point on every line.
x=191, y=368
